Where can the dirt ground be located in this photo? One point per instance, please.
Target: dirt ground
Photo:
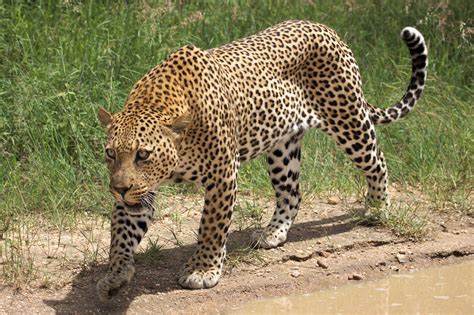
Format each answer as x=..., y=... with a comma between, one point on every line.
x=325, y=248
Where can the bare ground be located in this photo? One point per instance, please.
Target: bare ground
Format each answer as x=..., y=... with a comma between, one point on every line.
x=325, y=248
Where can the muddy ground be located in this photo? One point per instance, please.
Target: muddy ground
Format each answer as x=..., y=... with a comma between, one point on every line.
x=325, y=248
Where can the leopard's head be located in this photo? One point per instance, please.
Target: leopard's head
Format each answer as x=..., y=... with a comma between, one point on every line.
x=140, y=153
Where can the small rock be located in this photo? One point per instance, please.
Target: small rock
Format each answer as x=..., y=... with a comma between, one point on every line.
x=356, y=276
x=333, y=201
x=402, y=258
x=322, y=264
x=295, y=274
x=382, y=263
x=324, y=254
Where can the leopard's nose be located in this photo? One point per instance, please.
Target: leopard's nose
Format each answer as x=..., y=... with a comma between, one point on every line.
x=122, y=190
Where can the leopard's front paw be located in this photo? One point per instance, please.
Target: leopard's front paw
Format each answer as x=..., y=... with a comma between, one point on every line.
x=371, y=204
x=194, y=278
x=266, y=239
x=111, y=284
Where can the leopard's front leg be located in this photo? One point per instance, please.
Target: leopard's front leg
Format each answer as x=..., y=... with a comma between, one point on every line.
x=204, y=268
x=127, y=230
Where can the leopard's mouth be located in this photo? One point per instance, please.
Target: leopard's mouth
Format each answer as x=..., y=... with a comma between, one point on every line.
x=144, y=202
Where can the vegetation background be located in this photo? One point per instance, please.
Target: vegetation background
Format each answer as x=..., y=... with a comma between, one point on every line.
x=62, y=60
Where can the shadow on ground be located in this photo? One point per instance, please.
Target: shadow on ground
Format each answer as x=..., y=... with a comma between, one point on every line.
x=158, y=276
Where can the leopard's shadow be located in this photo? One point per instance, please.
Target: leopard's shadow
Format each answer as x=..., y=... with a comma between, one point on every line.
x=158, y=275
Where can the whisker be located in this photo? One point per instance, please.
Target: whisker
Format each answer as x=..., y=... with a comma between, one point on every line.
x=148, y=200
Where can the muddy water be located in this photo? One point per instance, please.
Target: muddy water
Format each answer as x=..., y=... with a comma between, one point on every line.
x=441, y=290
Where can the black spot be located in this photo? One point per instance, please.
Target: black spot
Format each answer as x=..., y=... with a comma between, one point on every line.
x=142, y=225
x=276, y=170
x=278, y=153
x=341, y=140
x=357, y=146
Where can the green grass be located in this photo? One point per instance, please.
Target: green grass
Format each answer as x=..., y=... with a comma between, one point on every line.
x=248, y=214
x=405, y=220
x=62, y=60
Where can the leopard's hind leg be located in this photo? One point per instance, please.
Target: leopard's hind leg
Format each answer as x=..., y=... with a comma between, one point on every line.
x=356, y=136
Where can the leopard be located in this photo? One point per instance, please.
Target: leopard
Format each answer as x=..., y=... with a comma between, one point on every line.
x=199, y=114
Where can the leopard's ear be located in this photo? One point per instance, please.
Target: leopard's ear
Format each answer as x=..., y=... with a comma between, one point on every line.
x=181, y=123
x=104, y=116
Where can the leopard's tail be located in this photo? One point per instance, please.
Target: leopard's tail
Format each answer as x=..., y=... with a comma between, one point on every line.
x=419, y=63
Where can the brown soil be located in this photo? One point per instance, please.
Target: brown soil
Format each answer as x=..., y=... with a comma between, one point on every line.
x=325, y=248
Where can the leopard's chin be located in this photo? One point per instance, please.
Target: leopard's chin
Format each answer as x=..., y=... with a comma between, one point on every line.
x=134, y=206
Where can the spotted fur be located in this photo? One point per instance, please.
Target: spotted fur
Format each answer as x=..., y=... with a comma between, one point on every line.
x=199, y=114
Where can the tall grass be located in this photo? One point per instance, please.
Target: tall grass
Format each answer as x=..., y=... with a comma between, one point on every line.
x=61, y=60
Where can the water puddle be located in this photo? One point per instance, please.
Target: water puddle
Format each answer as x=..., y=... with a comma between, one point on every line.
x=440, y=290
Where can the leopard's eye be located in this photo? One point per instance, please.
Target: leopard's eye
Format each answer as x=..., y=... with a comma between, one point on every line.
x=110, y=153
x=143, y=155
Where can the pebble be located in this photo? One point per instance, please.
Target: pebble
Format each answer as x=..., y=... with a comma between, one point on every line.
x=356, y=276
x=333, y=201
x=295, y=274
x=402, y=258
x=322, y=264
x=325, y=254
